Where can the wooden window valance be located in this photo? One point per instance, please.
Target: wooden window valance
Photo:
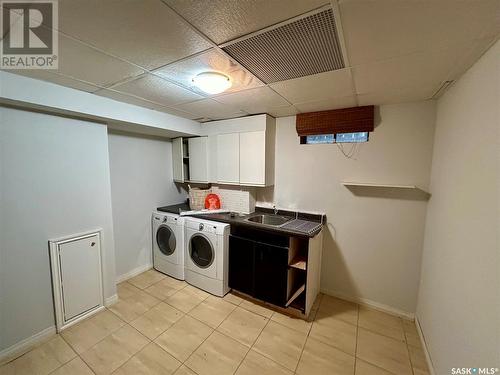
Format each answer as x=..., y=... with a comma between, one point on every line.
x=347, y=120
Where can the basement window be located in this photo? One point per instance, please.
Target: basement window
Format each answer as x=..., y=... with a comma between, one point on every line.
x=351, y=137
x=335, y=138
x=322, y=138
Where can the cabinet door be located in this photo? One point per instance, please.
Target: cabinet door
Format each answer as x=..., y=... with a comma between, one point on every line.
x=198, y=159
x=177, y=164
x=241, y=265
x=212, y=158
x=253, y=158
x=271, y=266
x=80, y=268
x=228, y=158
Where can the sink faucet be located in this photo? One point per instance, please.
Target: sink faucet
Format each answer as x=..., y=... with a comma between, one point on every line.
x=275, y=210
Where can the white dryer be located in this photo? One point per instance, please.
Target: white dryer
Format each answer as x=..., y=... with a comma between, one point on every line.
x=206, y=255
x=168, y=243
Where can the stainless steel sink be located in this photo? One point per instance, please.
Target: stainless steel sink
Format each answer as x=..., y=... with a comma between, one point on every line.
x=269, y=219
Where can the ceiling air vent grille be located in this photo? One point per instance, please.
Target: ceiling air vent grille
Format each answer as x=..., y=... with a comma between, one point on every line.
x=306, y=46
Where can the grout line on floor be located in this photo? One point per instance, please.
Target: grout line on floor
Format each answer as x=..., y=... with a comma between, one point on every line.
x=214, y=330
x=77, y=354
x=251, y=346
x=380, y=334
x=303, y=347
x=150, y=341
x=408, y=351
x=106, y=309
x=357, y=337
x=235, y=306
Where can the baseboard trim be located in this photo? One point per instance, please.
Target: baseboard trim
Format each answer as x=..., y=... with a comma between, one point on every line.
x=136, y=271
x=25, y=345
x=111, y=300
x=369, y=303
x=430, y=365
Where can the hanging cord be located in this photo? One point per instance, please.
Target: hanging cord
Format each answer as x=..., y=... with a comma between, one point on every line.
x=352, y=152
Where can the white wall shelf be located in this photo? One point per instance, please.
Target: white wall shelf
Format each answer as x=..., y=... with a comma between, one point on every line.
x=409, y=188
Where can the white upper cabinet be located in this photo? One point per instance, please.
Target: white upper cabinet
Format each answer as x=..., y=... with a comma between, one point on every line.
x=236, y=151
x=253, y=158
x=228, y=158
x=212, y=158
x=198, y=159
x=177, y=160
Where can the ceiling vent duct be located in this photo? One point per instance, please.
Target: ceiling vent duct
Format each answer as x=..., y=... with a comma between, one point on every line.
x=304, y=46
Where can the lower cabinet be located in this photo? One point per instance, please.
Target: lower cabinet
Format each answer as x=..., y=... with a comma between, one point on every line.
x=241, y=265
x=275, y=268
x=271, y=265
x=258, y=269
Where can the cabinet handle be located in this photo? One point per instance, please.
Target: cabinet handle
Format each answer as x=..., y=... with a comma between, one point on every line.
x=92, y=244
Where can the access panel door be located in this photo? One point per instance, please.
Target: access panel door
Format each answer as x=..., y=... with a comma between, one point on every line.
x=77, y=277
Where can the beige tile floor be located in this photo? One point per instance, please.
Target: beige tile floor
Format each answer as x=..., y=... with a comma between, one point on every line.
x=164, y=326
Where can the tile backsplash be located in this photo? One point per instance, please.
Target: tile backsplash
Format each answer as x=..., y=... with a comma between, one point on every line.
x=236, y=199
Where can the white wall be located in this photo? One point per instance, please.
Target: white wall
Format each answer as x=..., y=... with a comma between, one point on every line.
x=459, y=297
x=373, y=244
x=54, y=182
x=141, y=181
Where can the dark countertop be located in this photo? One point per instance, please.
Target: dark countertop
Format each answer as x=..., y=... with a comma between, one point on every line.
x=175, y=208
x=301, y=225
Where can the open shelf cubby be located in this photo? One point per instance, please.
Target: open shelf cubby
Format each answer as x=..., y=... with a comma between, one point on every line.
x=299, y=262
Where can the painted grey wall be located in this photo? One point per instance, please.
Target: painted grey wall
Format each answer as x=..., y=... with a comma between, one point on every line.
x=54, y=182
x=141, y=181
x=373, y=242
x=459, y=296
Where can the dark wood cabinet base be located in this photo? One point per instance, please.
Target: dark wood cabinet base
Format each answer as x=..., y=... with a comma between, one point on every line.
x=275, y=269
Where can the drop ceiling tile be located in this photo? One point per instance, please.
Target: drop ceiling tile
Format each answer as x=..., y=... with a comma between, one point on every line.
x=325, y=105
x=146, y=32
x=211, y=109
x=224, y=20
x=157, y=90
x=410, y=71
x=58, y=79
x=479, y=47
x=184, y=71
x=316, y=87
x=283, y=111
x=126, y=98
x=395, y=96
x=130, y=99
x=258, y=100
x=178, y=112
x=377, y=30
x=88, y=64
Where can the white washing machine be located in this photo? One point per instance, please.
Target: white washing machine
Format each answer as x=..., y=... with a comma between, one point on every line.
x=206, y=255
x=168, y=243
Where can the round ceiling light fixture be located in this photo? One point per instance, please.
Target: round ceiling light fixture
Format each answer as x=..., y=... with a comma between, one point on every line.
x=212, y=82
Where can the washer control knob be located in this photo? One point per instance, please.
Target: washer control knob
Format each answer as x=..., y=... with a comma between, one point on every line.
x=201, y=226
x=164, y=219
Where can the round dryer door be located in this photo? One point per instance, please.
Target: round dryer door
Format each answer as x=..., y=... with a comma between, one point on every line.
x=201, y=251
x=165, y=239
